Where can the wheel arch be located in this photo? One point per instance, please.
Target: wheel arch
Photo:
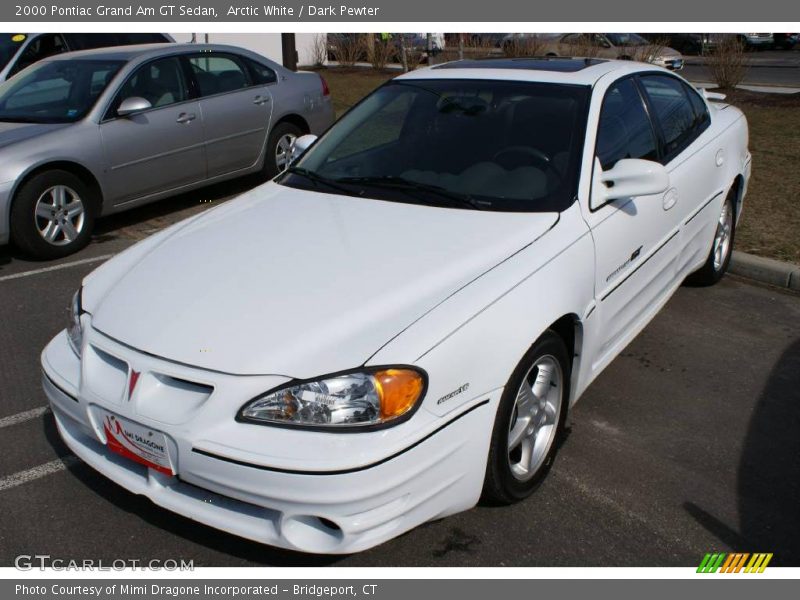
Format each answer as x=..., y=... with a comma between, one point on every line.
x=737, y=187
x=294, y=119
x=75, y=168
x=569, y=328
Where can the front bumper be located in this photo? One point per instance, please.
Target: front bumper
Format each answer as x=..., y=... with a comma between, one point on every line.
x=299, y=507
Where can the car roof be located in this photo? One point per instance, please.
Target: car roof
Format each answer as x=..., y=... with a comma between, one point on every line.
x=567, y=70
x=136, y=51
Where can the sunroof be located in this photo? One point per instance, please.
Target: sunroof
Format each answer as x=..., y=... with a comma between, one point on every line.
x=549, y=63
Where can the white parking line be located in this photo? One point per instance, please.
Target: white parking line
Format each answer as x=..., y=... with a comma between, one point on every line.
x=23, y=416
x=65, y=265
x=54, y=466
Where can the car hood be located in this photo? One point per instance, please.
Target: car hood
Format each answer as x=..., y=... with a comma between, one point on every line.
x=289, y=282
x=11, y=133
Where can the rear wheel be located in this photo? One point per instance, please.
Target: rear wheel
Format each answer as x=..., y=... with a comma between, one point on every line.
x=721, y=248
x=279, y=148
x=52, y=215
x=529, y=422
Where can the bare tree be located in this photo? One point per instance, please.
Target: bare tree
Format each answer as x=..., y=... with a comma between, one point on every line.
x=382, y=53
x=728, y=63
x=348, y=49
x=319, y=49
x=522, y=45
x=583, y=45
x=648, y=53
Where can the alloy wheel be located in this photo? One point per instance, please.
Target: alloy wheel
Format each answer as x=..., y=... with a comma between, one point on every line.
x=534, y=420
x=722, y=238
x=283, y=151
x=60, y=215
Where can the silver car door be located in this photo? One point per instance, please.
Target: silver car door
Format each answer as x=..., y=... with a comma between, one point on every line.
x=236, y=111
x=157, y=149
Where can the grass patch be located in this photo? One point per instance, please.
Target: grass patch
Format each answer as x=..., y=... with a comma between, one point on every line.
x=770, y=224
x=349, y=85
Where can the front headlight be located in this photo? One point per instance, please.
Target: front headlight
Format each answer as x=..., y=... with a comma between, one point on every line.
x=369, y=397
x=74, y=327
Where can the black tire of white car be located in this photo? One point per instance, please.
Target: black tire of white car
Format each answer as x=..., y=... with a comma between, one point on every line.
x=271, y=167
x=71, y=217
x=709, y=274
x=500, y=485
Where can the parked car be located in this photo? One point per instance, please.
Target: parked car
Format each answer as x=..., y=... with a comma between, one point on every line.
x=623, y=46
x=685, y=43
x=402, y=321
x=21, y=50
x=95, y=132
x=785, y=41
x=750, y=41
x=353, y=46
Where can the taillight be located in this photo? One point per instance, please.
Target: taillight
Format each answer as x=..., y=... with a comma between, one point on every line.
x=325, y=89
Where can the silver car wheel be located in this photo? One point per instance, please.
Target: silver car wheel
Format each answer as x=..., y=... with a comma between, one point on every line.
x=722, y=238
x=283, y=151
x=60, y=215
x=534, y=420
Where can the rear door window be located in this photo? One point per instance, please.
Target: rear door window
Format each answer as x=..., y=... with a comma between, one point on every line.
x=673, y=112
x=218, y=74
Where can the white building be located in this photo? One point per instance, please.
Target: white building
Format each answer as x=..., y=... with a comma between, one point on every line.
x=266, y=44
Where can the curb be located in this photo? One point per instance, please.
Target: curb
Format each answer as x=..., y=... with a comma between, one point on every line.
x=765, y=270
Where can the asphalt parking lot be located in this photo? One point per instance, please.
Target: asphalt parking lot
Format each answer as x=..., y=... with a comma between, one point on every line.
x=688, y=443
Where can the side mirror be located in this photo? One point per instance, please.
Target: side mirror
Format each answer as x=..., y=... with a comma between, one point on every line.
x=132, y=105
x=302, y=144
x=630, y=177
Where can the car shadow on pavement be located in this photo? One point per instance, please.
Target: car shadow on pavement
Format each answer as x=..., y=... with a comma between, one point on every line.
x=143, y=509
x=768, y=479
x=160, y=211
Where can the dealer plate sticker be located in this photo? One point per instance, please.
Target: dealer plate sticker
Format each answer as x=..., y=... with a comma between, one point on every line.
x=137, y=442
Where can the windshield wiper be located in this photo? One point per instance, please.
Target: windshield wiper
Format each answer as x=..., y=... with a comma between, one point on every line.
x=317, y=179
x=400, y=183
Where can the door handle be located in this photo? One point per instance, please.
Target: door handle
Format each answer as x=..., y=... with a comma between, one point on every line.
x=185, y=118
x=260, y=99
x=670, y=198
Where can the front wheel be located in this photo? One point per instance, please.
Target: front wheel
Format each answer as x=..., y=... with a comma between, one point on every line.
x=52, y=215
x=530, y=419
x=721, y=248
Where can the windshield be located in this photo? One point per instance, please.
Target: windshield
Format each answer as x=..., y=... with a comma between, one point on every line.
x=491, y=145
x=626, y=39
x=58, y=91
x=10, y=43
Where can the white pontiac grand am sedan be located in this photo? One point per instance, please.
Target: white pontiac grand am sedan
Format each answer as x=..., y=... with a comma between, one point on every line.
x=399, y=324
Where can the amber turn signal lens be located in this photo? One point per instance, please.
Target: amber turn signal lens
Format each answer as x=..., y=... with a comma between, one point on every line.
x=399, y=389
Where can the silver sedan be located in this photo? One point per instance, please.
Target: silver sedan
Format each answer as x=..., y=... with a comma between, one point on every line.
x=91, y=133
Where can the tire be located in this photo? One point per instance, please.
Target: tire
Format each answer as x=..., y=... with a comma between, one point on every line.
x=282, y=134
x=508, y=479
x=41, y=213
x=719, y=257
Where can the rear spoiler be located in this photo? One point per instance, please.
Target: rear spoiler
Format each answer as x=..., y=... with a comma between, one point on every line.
x=711, y=95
